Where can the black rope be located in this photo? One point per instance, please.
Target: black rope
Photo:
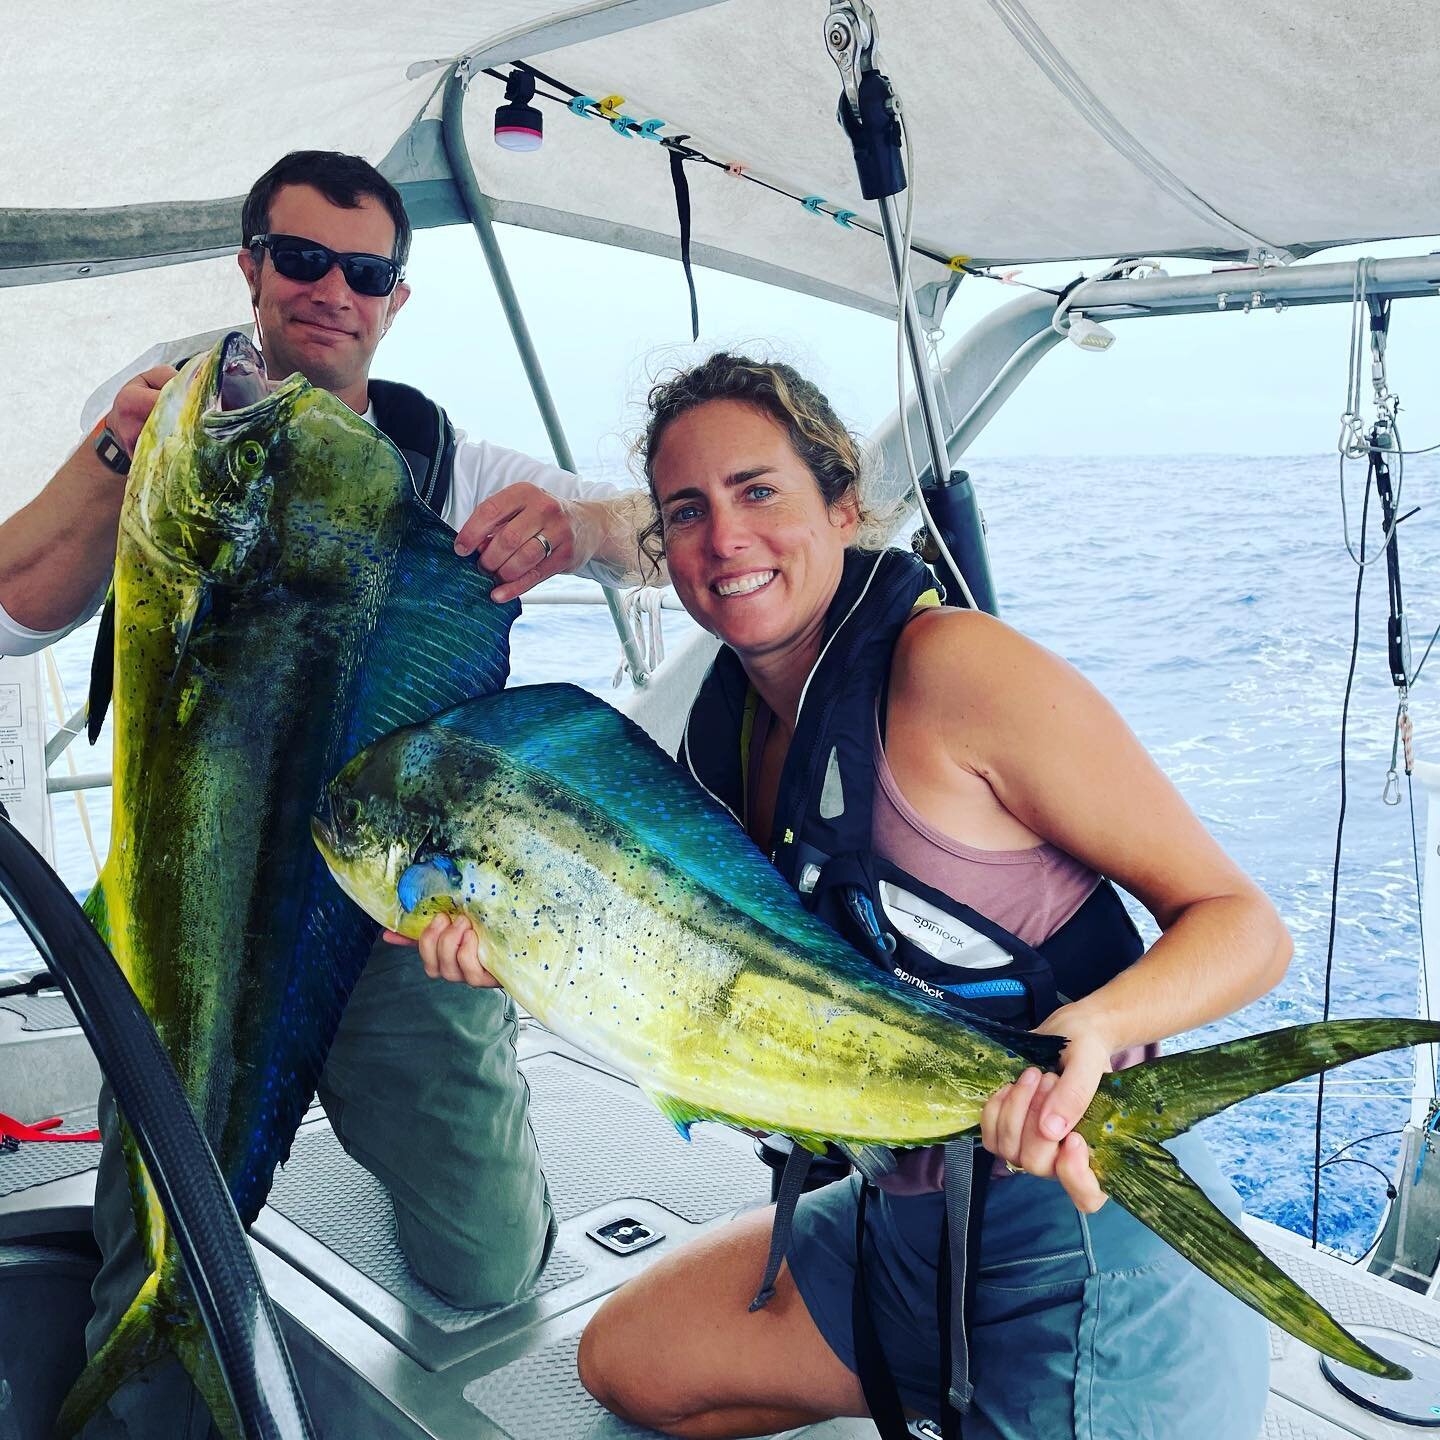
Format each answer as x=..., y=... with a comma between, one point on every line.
x=1335, y=878
x=682, y=214
x=1350, y=1144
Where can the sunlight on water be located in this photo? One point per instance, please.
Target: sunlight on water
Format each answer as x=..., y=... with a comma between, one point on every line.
x=1211, y=599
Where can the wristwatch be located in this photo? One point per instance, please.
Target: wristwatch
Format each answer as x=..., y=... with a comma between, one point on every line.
x=110, y=451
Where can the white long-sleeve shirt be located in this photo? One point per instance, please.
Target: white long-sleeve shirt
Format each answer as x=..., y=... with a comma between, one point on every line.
x=481, y=469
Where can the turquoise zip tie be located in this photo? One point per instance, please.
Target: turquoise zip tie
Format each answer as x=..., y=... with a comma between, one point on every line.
x=843, y=217
x=624, y=125
x=648, y=129
x=581, y=103
x=813, y=203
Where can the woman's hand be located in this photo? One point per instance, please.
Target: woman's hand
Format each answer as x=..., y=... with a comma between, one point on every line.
x=1029, y=1123
x=450, y=950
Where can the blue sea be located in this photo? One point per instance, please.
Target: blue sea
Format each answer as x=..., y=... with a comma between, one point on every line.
x=1212, y=599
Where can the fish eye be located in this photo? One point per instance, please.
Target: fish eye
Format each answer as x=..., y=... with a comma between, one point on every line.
x=250, y=454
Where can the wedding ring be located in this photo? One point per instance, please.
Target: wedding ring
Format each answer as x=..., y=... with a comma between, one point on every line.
x=545, y=545
x=1015, y=1169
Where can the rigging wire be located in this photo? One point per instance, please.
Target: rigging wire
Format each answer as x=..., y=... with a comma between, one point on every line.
x=902, y=306
x=1419, y=895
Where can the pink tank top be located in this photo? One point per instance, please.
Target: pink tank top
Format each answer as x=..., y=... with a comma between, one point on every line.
x=1031, y=892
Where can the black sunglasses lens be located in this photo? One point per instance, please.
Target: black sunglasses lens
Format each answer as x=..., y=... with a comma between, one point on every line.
x=369, y=274
x=306, y=263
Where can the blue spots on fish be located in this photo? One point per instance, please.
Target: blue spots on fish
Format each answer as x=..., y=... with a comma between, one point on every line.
x=439, y=875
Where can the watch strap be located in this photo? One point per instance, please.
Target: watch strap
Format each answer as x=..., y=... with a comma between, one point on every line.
x=112, y=454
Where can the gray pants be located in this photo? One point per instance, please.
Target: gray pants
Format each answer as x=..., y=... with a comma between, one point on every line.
x=422, y=1088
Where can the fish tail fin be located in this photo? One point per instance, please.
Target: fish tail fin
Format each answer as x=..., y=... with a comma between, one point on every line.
x=1135, y=1110
x=160, y=1325
x=133, y=1347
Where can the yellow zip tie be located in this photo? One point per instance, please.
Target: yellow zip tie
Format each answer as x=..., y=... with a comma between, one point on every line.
x=958, y=262
x=609, y=107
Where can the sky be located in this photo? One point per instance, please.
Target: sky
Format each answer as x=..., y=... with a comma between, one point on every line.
x=606, y=322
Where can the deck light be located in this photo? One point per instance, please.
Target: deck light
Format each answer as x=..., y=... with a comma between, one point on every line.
x=518, y=124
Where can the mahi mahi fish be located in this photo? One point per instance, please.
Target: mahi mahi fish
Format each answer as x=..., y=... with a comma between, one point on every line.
x=620, y=905
x=281, y=598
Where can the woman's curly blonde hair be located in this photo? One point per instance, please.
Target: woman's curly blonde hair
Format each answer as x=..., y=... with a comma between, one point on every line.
x=832, y=454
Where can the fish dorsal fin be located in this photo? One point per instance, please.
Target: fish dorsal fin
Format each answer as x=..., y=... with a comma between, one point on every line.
x=439, y=638
x=102, y=670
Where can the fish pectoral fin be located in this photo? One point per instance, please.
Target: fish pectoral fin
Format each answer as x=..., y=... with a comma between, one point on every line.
x=1148, y=1181
x=192, y=613
x=680, y=1113
x=428, y=879
x=102, y=670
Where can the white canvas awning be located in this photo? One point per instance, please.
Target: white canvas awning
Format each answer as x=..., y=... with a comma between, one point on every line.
x=1051, y=129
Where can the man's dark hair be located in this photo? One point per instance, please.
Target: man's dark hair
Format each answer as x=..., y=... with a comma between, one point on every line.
x=343, y=180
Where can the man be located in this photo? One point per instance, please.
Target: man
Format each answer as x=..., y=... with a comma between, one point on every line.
x=421, y=1084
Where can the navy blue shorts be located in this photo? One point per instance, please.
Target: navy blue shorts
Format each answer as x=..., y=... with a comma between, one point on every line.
x=1085, y=1325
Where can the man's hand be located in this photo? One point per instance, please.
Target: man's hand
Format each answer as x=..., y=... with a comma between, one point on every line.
x=450, y=950
x=1029, y=1123
x=505, y=532
x=134, y=403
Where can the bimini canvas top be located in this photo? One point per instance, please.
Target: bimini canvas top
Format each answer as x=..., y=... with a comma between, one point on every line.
x=1042, y=130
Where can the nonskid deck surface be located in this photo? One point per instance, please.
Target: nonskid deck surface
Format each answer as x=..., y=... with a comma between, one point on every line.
x=381, y=1355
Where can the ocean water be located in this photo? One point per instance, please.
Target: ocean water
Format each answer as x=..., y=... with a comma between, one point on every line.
x=1211, y=599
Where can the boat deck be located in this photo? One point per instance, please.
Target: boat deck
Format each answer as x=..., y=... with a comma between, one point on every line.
x=379, y=1354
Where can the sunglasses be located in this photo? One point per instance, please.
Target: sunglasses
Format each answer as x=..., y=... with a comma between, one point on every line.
x=307, y=260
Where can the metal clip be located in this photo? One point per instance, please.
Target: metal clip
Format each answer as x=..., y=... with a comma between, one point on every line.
x=1391, y=793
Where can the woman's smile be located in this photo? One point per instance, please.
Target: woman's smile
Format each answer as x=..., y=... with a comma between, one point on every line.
x=734, y=587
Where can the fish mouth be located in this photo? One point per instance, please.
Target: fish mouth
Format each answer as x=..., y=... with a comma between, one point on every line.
x=242, y=390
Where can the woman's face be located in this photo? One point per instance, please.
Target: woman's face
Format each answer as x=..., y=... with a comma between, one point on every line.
x=754, y=552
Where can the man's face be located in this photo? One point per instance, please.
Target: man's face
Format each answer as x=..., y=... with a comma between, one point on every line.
x=323, y=329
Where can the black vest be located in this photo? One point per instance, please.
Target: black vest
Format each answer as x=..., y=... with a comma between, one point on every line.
x=821, y=836
x=421, y=431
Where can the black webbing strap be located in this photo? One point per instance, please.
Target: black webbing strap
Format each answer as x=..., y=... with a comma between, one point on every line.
x=681, y=183
x=967, y=1173
x=792, y=1182
x=882, y=1398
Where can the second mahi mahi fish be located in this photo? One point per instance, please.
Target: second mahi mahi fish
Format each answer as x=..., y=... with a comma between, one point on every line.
x=630, y=914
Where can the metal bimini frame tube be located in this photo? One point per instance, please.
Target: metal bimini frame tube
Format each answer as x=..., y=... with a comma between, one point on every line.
x=453, y=129
x=986, y=365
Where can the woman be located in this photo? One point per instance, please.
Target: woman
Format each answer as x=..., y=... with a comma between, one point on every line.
x=1003, y=781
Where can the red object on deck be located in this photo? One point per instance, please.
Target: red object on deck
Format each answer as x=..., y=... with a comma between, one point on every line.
x=12, y=1129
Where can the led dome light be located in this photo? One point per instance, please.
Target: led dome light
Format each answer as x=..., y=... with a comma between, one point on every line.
x=1088, y=334
x=518, y=124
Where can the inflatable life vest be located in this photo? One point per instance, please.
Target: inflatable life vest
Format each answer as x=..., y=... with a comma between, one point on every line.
x=421, y=431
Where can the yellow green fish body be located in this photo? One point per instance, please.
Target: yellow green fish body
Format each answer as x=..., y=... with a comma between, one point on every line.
x=627, y=912
x=280, y=598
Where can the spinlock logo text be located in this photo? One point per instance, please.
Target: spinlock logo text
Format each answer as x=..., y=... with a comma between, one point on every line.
x=924, y=922
x=931, y=990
